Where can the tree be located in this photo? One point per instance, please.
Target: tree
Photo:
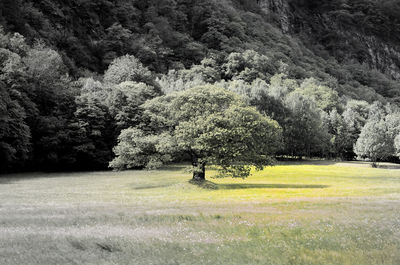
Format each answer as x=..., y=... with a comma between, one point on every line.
x=354, y=116
x=304, y=133
x=14, y=133
x=397, y=145
x=208, y=124
x=94, y=127
x=179, y=80
x=125, y=100
x=325, y=97
x=117, y=39
x=248, y=66
x=44, y=64
x=342, y=143
x=128, y=68
x=374, y=142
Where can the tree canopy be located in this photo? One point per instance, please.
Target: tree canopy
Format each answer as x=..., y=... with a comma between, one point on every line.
x=210, y=125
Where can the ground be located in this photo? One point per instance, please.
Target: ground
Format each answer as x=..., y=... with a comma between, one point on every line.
x=294, y=213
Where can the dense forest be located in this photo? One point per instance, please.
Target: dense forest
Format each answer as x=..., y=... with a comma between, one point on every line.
x=82, y=82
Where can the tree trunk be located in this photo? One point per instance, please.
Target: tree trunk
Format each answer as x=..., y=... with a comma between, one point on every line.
x=374, y=162
x=199, y=174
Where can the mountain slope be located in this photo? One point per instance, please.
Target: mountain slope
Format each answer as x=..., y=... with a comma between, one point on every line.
x=340, y=39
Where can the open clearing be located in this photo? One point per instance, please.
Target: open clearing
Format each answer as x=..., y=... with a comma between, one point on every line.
x=295, y=213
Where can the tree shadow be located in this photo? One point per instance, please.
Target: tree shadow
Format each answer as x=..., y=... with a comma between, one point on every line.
x=380, y=179
x=214, y=186
x=394, y=166
x=148, y=187
x=270, y=186
x=13, y=178
x=305, y=162
x=5, y=181
x=16, y=177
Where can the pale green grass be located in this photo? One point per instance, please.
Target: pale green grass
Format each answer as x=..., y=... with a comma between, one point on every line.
x=299, y=213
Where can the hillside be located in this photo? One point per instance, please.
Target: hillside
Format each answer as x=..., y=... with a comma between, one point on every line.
x=164, y=34
x=75, y=74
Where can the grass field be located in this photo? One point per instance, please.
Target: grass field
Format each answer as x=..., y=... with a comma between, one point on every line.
x=297, y=213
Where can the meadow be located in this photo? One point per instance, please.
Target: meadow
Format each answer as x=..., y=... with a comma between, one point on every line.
x=293, y=213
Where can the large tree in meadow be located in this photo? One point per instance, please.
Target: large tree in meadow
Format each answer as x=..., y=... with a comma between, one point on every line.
x=210, y=125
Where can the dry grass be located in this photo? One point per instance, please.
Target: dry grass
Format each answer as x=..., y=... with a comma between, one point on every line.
x=295, y=213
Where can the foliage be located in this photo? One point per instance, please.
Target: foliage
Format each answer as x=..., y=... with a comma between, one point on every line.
x=15, y=135
x=248, y=66
x=373, y=142
x=127, y=68
x=304, y=133
x=342, y=138
x=322, y=91
x=325, y=97
x=397, y=145
x=93, y=127
x=166, y=34
x=124, y=102
x=377, y=140
x=211, y=125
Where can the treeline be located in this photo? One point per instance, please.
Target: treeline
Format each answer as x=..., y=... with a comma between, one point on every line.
x=51, y=121
x=317, y=121
x=41, y=126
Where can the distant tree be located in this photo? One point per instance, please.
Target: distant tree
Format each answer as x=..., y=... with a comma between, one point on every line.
x=280, y=86
x=374, y=142
x=44, y=64
x=52, y=93
x=176, y=81
x=215, y=35
x=247, y=91
x=392, y=121
x=210, y=125
x=125, y=100
x=207, y=72
x=248, y=66
x=117, y=39
x=378, y=140
x=18, y=44
x=303, y=130
x=127, y=68
x=208, y=69
x=341, y=140
x=14, y=133
x=325, y=97
x=355, y=115
x=93, y=127
x=397, y=145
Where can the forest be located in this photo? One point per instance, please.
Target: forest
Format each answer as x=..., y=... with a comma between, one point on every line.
x=88, y=85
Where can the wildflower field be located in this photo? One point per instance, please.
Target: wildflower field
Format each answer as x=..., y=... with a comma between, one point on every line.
x=293, y=213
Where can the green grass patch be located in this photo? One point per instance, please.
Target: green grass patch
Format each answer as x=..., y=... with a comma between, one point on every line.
x=300, y=213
